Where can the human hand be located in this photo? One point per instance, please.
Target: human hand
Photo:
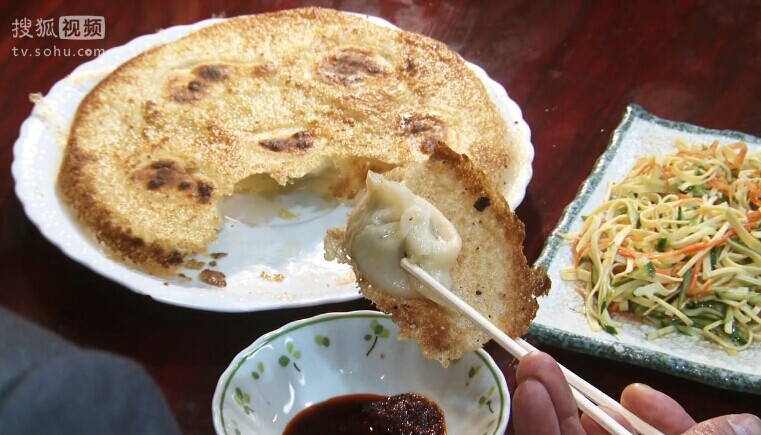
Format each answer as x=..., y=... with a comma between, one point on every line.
x=665, y=414
x=542, y=402
x=543, y=405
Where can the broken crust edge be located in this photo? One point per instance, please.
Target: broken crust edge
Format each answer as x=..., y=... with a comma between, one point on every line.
x=422, y=320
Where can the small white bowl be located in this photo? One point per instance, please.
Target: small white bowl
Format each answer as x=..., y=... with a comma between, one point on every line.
x=334, y=354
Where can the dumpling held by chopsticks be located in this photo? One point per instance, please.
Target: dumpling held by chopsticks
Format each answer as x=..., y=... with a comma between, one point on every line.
x=444, y=215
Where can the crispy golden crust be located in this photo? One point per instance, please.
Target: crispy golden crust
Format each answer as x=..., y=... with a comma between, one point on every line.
x=155, y=145
x=491, y=272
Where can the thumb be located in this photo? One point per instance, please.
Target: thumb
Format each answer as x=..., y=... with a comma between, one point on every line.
x=735, y=424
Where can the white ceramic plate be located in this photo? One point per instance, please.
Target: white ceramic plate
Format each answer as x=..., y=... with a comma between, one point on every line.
x=273, y=265
x=312, y=360
x=561, y=319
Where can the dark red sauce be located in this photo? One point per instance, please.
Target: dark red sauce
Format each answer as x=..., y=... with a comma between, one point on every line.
x=370, y=414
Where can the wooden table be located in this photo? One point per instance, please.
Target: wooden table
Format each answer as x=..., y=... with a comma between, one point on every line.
x=572, y=66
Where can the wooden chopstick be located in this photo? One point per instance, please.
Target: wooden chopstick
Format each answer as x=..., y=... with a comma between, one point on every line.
x=582, y=390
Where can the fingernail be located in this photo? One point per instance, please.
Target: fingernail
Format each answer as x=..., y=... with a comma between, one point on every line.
x=643, y=386
x=745, y=424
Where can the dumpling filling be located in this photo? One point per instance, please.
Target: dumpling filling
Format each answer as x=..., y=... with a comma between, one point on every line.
x=390, y=223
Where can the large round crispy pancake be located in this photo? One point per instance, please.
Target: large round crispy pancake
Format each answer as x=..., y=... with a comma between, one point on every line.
x=491, y=272
x=157, y=143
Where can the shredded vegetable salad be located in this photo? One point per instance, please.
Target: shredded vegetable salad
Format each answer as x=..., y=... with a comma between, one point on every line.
x=677, y=243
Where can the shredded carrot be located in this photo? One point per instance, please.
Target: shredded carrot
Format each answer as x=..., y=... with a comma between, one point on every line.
x=646, y=166
x=694, y=277
x=580, y=253
x=695, y=247
x=626, y=252
x=704, y=289
x=740, y=157
x=689, y=249
x=754, y=196
x=631, y=239
x=602, y=243
x=719, y=182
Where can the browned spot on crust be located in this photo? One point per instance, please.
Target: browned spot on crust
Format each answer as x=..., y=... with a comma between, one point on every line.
x=160, y=174
x=167, y=175
x=151, y=111
x=426, y=130
x=164, y=164
x=196, y=87
x=205, y=192
x=481, y=203
x=174, y=258
x=218, y=255
x=213, y=73
x=350, y=66
x=213, y=277
x=184, y=93
x=297, y=142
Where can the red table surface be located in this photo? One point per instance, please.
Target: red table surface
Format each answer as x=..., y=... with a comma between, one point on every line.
x=572, y=66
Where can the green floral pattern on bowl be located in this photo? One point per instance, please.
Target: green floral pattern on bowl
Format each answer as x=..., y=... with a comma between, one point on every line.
x=311, y=360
